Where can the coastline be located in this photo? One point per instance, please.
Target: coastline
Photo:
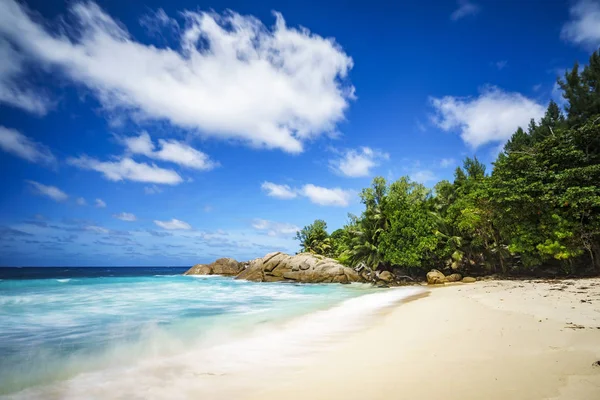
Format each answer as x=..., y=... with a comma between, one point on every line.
x=494, y=340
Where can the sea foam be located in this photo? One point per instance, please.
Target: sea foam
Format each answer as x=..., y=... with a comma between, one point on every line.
x=225, y=362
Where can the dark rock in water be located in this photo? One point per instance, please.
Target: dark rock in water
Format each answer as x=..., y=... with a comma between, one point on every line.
x=223, y=266
x=304, y=267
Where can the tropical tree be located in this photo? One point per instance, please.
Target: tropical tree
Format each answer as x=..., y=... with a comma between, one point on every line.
x=314, y=238
x=365, y=231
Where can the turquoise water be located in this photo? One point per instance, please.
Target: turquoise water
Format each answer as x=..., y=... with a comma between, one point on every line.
x=110, y=336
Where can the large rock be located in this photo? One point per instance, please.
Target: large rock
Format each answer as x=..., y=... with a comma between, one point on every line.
x=223, y=266
x=468, y=279
x=304, y=267
x=386, y=276
x=435, y=277
x=453, y=277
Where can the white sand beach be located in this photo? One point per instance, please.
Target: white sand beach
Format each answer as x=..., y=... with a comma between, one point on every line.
x=487, y=340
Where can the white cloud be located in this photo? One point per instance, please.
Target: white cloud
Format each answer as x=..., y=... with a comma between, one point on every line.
x=357, y=163
x=157, y=21
x=14, y=142
x=170, y=151
x=49, y=191
x=173, y=224
x=316, y=194
x=279, y=191
x=100, y=203
x=13, y=91
x=125, y=217
x=96, y=229
x=80, y=201
x=152, y=189
x=583, y=28
x=423, y=176
x=491, y=117
x=229, y=76
x=273, y=228
x=465, y=8
x=447, y=162
x=327, y=197
x=127, y=169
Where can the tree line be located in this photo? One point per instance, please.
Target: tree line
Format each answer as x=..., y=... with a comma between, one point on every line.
x=538, y=209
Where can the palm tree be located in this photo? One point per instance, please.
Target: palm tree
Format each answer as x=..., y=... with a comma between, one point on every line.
x=366, y=231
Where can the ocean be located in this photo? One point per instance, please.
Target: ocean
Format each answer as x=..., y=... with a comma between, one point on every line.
x=152, y=333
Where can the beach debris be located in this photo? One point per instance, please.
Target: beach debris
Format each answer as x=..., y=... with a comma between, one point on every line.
x=596, y=364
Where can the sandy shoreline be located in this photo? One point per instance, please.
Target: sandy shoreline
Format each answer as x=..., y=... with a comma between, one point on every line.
x=489, y=340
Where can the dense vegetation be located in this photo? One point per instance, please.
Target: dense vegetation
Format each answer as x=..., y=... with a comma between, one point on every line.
x=539, y=209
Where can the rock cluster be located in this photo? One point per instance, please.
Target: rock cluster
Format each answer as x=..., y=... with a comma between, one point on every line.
x=435, y=277
x=223, y=266
x=311, y=268
x=304, y=267
x=278, y=267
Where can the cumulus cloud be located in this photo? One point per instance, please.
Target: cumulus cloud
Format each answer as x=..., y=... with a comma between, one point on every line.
x=125, y=217
x=229, y=77
x=80, y=201
x=327, y=197
x=13, y=91
x=273, y=228
x=279, y=191
x=127, y=169
x=465, y=9
x=170, y=151
x=492, y=117
x=357, y=163
x=100, y=203
x=14, y=142
x=49, y=191
x=316, y=194
x=173, y=224
x=583, y=27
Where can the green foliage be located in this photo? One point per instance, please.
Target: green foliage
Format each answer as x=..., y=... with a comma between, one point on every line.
x=540, y=205
x=314, y=238
x=365, y=232
x=582, y=91
x=410, y=238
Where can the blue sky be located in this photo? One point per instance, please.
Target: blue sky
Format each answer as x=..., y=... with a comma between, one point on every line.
x=171, y=133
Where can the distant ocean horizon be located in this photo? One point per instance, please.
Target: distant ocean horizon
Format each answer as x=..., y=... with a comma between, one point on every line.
x=51, y=271
x=151, y=332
